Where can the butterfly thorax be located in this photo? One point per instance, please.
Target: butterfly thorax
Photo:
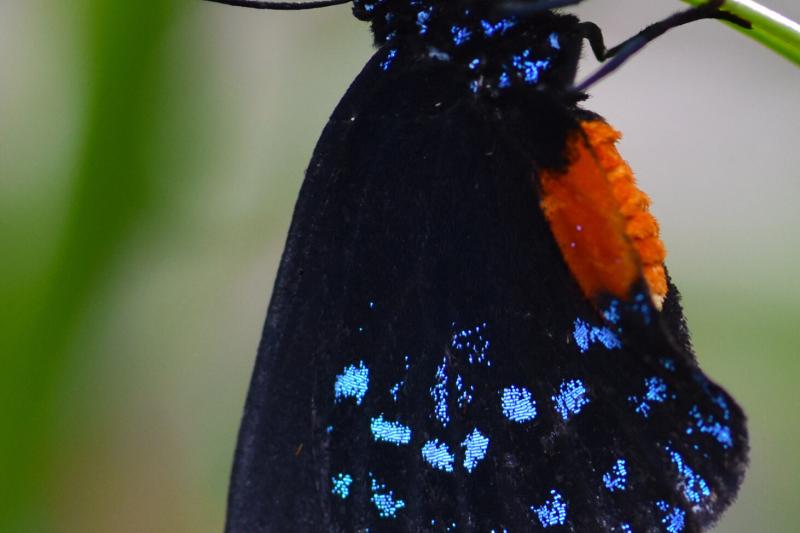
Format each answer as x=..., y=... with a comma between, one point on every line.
x=495, y=49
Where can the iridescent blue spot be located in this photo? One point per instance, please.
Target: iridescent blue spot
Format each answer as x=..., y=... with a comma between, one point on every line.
x=527, y=68
x=655, y=392
x=422, y=20
x=585, y=335
x=372, y=305
x=668, y=364
x=554, y=41
x=464, y=392
x=709, y=425
x=617, y=478
x=438, y=455
x=474, y=85
x=395, y=390
x=695, y=487
x=386, y=63
x=612, y=313
x=500, y=26
x=673, y=518
x=352, y=383
x=439, y=394
x=475, y=444
x=329, y=429
x=461, y=34
x=385, y=501
x=571, y=398
x=642, y=304
x=504, y=80
x=473, y=342
x=393, y=432
x=553, y=512
x=341, y=485
x=518, y=405
x=474, y=63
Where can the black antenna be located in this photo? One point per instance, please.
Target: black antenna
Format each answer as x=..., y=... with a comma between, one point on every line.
x=281, y=6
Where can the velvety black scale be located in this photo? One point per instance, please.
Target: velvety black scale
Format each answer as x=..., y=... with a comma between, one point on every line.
x=419, y=221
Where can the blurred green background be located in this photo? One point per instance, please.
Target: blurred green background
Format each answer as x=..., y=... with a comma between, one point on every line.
x=150, y=155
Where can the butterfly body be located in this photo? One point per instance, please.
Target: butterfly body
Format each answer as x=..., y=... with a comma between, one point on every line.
x=430, y=360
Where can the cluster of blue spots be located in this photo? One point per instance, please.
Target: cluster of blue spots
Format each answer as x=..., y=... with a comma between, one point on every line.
x=475, y=446
x=571, y=398
x=473, y=342
x=554, y=42
x=461, y=34
x=612, y=313
x=393, y=432
x=439, y=394
x=385, y=501
x=352, y=383
x=625, y=528
x=674, y=519
x=708, y=425
x=341, y=485
x=474, y=64
x=553, y=512
x=499, y=27
x=585, y=335
x=450, y=527
x=655, y=392
x=529, y=69
x=617, y=478
x=396, y=389
x=386, y=63
x=642, y=305
x=464, y=392
x=504, y=81
x=668, y=364
x=518, y=404
x=695, y=487
x=406, y=362
x=717, y=399
x=438, y=455
x=422, y=20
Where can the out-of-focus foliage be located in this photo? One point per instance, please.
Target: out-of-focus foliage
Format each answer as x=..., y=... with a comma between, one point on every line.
x=150, y=153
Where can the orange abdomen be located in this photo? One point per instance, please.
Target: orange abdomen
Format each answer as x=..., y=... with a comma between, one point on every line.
x=601, y=220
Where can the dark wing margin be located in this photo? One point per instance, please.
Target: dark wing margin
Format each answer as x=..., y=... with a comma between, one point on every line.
x=429, y=364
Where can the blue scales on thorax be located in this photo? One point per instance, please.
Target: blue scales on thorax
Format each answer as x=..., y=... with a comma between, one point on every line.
x=495, y=52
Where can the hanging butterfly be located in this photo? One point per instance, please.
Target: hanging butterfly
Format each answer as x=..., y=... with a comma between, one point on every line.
x=472, y=328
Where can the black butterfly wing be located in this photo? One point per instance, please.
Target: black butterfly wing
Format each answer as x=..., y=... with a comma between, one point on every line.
x=429, y=363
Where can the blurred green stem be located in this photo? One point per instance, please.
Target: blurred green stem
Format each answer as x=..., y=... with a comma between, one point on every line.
x=771, y=29
x=110, y=190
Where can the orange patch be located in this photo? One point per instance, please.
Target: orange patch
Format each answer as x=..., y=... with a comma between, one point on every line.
x=601, y=220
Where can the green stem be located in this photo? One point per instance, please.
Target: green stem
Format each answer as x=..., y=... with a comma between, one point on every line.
x=771, y=29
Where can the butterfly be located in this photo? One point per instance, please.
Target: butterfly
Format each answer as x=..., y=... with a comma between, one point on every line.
x=472, y=327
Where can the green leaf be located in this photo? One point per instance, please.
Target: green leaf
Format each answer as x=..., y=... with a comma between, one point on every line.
x=771, y=29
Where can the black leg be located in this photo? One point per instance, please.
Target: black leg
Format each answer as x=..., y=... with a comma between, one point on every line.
x=287, y=6
x=617, y=55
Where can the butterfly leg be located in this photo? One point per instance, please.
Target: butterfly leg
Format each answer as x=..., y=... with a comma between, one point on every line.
x=614, y=57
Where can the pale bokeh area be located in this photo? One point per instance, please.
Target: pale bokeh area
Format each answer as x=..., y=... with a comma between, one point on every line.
x=145, y=397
